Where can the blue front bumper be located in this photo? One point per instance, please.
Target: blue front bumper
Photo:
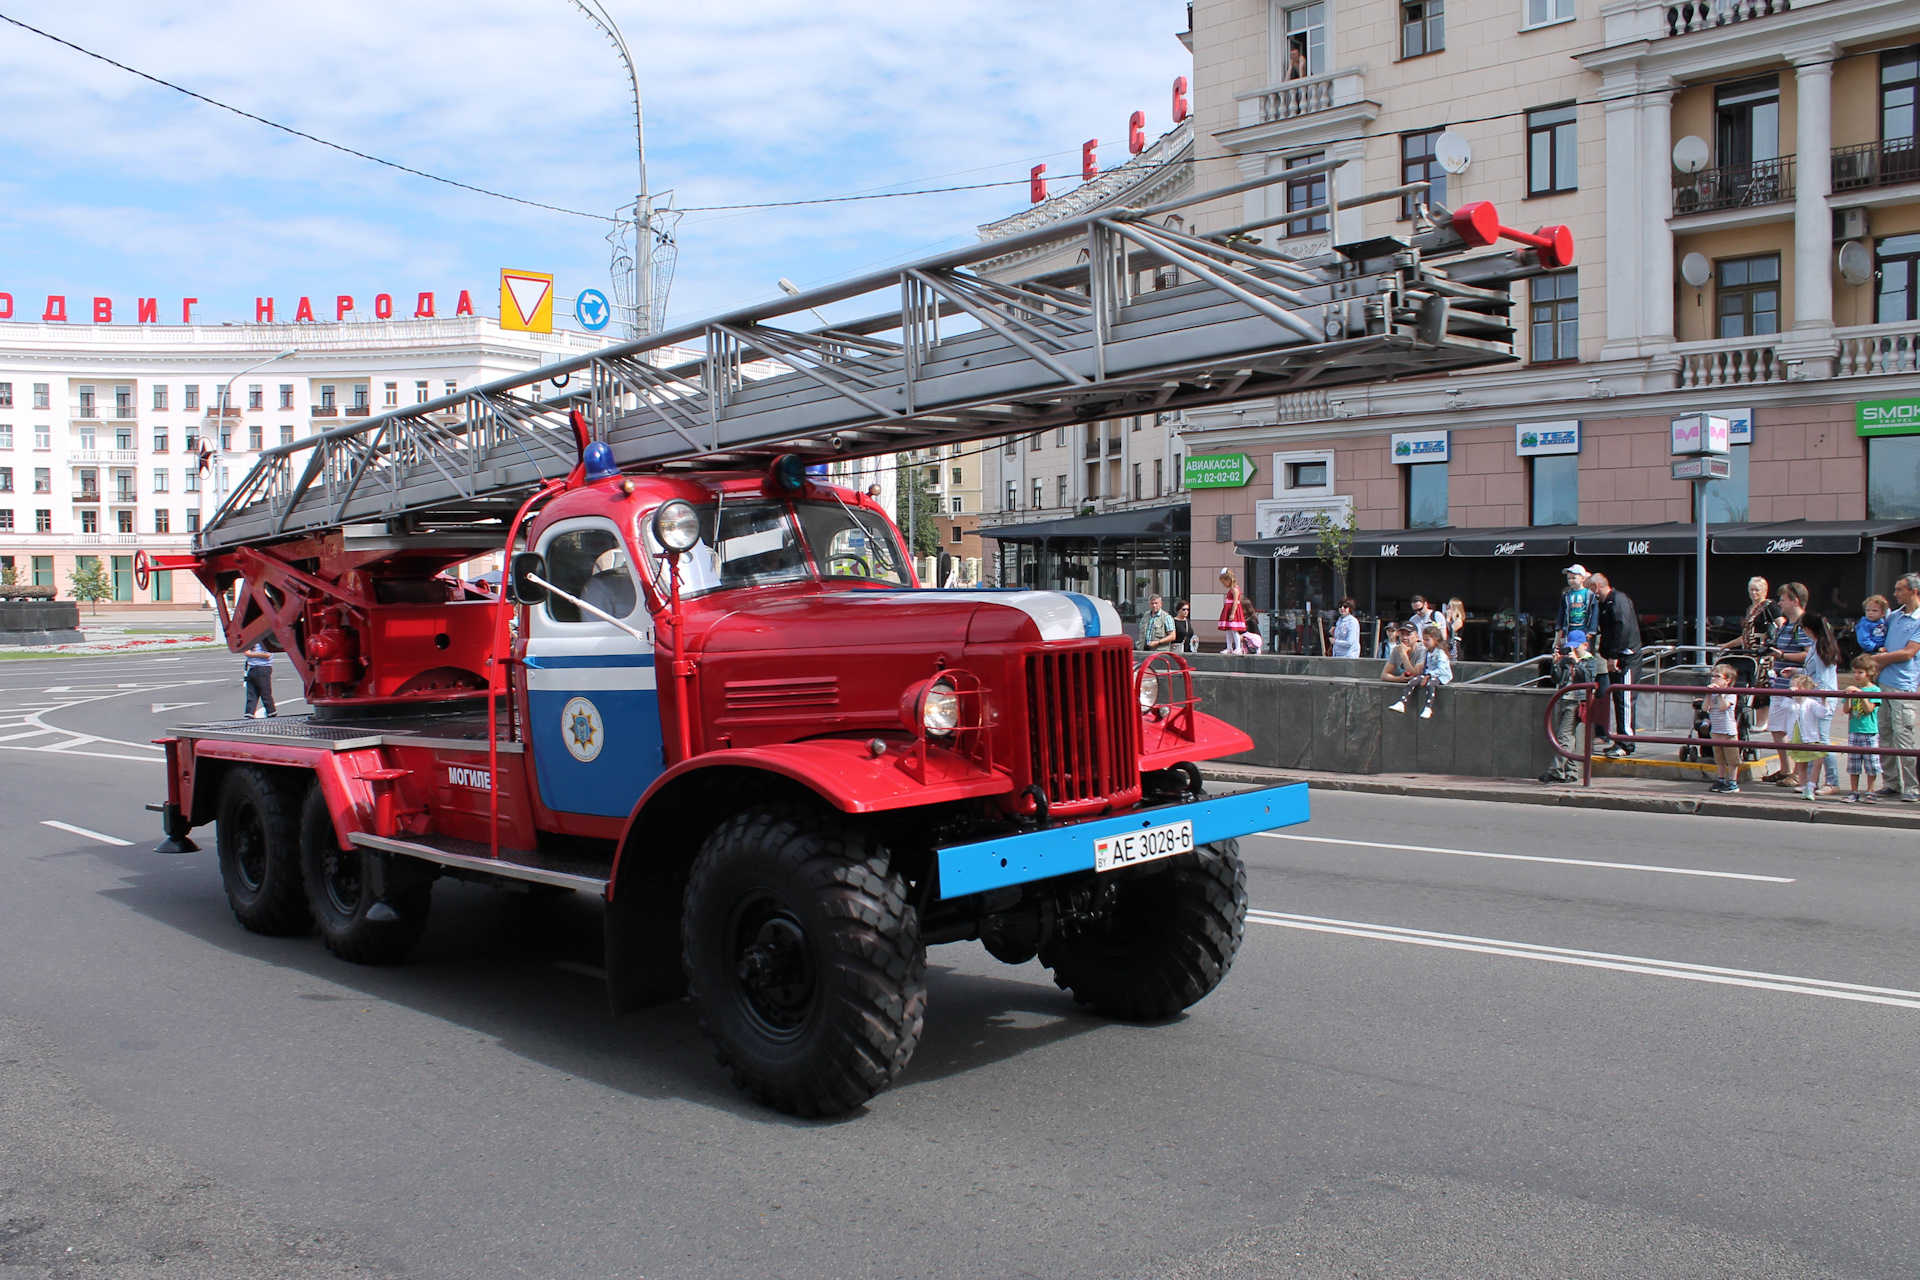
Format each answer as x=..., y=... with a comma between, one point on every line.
x=1024, y=856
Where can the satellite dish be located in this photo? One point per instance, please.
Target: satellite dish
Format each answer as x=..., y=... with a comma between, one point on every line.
x=1690, y=154
x=1856, y=264
x=1695, y=269
x=1452, y=153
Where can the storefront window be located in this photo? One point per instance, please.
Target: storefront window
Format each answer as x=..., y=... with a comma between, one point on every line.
x=1426, y=495
x=1727, y=499
x=1893, y=477
x=1556, y=489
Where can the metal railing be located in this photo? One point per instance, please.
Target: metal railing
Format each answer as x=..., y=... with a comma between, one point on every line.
x=1515, y=666
x=1876, y=164
x=1600, y=711
x=1733, y=186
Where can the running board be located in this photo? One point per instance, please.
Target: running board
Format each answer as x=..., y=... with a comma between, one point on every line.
x=491, y=866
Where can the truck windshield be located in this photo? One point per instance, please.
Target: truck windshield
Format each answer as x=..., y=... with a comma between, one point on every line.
x=759, y=545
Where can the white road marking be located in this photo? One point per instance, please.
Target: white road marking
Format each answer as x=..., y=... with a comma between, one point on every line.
x=82, y=831
x=59, y=688
x=174, y=706
x=1894, y=996
x=1528, y=857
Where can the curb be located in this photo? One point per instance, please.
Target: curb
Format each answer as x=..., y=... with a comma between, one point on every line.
x=1705, y=807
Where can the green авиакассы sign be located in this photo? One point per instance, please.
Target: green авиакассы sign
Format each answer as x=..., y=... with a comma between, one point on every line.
x=1216, y=470
x=1887, y=417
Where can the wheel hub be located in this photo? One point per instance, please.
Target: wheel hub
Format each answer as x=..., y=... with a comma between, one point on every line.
x=774, y=965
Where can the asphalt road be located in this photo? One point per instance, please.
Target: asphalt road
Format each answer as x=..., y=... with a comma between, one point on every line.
x=1425, y=1064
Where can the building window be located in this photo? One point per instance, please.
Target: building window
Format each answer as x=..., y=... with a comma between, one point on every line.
x=1307, y=475
x=1013, y=495
x=1747, y=121
x=123, y=521
x=420, y=395
x=393, y=394
x=1727, y=499
x=956, y=506
x=958, y=533
x=43, y=523
x=88, y=440
x=43, y=479
x=956, y=475
x=1556, y=489
x=1893, y=477
x=1422, y=27
x=1426, y=495
x=191, y=479
x=1010, y=443
x=1746, y=297
x=1552, y=163
x=193, y=522
x=453, y=388
x=1060, y=488
x=1897, y=270
x=6, y=479
x=43, y=437
x=1159, y=477
x=327, y=402
x=256, y=396
x=1418, y=165
x=1899, y=87
x=1033, y=442
x=226, y=438
x=360, y=395
x=1139, y=484
x=159, y=397
x=190, y=439
x=89, y=522
x=190, y=396
x=286, y=433
x=6, y=395
x=160, y=440
x=162, y=582
x=162, y=521
x=6, y=524
x=1555, y=317
x=159, y=479
x=286, y=395
x=41, y=395
x=1306, y=41
x=1542, y=12
x=1305, y=193
x=87, y=407
x=1059, y=437
x=1039, y=496
x=6, y=435
x=255, y=436
x=1179, y=477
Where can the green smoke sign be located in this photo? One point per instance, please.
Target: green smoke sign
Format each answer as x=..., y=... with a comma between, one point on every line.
x=1887, y=417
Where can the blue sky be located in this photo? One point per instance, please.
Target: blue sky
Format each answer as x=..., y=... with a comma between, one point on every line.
x=112, y=186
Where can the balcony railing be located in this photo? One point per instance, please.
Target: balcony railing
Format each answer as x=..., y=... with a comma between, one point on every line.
x=1878, y=348
x=1302, y=97
x=1733, y=186
x=1703, y=15
x=1876, y=164
x=326, y=411
x=94, y=457
x=87, y=495
x=1729, y=362
x=125, y=494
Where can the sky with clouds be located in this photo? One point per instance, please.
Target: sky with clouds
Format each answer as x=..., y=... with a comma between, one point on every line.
x=110, y=185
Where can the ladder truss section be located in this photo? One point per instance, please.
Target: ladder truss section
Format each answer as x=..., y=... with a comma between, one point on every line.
x=947, y=355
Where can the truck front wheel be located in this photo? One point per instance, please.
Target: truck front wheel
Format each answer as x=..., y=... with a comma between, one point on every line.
x=356, y=922
x=259, y=844
x=803, y=960
x=1159, y=942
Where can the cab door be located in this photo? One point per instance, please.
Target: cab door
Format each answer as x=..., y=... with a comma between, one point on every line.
x=593, y=712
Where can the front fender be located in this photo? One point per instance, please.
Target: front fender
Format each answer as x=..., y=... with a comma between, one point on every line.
x=1167, y=742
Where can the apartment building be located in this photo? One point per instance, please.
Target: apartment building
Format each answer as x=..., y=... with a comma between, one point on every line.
x=100, y=424
x=1743, y=185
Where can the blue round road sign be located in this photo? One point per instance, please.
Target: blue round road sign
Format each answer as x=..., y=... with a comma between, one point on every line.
x=592, y=310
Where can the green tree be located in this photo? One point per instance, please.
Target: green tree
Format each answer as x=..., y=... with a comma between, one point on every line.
x=915, y=511
x=9, y=576
x=90, y=581
x=1336, y=546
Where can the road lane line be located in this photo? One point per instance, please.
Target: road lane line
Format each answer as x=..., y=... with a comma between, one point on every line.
x=82, y=831
x=1759, y=980
x=1529, y=857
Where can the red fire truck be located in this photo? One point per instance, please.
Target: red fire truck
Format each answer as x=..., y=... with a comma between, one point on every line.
x=710, y=690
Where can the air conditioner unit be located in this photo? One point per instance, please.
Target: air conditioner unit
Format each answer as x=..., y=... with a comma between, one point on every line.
x=1849, y=224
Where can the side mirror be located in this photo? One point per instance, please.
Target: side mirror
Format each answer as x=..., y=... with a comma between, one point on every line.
x=524, y=591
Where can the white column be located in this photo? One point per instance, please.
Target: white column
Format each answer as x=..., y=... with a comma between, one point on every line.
x=1813, y=180
x=1624, y=182
x=1655, y=265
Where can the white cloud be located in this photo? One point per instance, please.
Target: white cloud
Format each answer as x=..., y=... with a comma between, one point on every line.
x=118, y=185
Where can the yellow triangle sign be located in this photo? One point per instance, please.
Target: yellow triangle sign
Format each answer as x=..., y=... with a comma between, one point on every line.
x=526, y=301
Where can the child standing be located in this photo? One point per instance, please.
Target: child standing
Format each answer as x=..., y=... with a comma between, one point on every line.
x=1808, y=728
x=1871, y=631
x=1722, y=713
x=1575, y=665
x=1863, y=727
x=1435, y=671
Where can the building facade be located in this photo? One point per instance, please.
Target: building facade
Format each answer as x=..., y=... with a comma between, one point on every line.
x=1743, y=186
x=100, y=425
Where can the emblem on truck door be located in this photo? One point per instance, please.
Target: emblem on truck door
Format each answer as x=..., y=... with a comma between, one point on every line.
x=582, y=729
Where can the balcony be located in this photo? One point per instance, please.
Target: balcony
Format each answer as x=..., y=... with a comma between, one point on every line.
x=87, y=495
x=324, y=411
x=102, y=457
x=125, y=496
x=1876, y=164
x=1704, y=15
x=1733, y=186
x=359, y=411
x=1869, y=349
x=1729, y=362
x=1306, y=96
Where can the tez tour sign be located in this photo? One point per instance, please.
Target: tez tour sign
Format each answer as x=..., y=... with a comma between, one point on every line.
x=1217, y=471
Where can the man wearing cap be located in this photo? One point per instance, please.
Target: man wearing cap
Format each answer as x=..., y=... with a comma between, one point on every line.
x=1574, y=665
x=1576, y=606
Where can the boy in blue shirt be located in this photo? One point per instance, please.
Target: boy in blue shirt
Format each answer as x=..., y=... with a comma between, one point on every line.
x=1435, y=671
x=1576, y=606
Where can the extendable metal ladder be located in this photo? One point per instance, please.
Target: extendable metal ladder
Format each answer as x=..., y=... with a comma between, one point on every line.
x=947, y=356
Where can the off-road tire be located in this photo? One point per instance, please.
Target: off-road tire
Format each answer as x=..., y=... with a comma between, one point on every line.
x=836, y=1008
x=336, y=886
x=1169, y=939
x=258, y=837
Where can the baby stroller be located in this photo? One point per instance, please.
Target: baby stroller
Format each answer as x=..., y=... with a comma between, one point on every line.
x=1702, y=728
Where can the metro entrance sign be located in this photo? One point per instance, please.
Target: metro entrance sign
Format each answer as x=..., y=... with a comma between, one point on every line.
x=1217, y=471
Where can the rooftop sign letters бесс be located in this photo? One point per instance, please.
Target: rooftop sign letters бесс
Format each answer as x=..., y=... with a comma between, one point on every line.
x=1888, y=417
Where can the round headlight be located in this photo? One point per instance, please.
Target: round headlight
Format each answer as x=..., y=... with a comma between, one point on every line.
x=676, y=526
x=1149, y=692
x=940, y=713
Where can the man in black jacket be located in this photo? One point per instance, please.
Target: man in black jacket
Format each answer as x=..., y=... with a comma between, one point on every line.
x=1618, y=626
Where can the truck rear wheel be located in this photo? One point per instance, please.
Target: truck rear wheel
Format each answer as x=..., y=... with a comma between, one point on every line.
x=804, y=960
x=258, y=838
x=356, y=924
x=1163, y=942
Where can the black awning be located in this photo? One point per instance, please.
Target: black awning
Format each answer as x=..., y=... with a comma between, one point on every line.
x=1368, y=544
x=1801, y=537
x=1637, y=540
x=1143, y=522
x=1510, y=542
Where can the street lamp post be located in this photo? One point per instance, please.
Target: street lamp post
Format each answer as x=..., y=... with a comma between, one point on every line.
x=642, y=286
x=214, y=453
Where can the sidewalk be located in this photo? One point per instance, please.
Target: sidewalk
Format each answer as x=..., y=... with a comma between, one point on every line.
x=1638, y=794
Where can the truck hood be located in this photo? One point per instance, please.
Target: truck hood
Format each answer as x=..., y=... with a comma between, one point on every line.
x=843, y=619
